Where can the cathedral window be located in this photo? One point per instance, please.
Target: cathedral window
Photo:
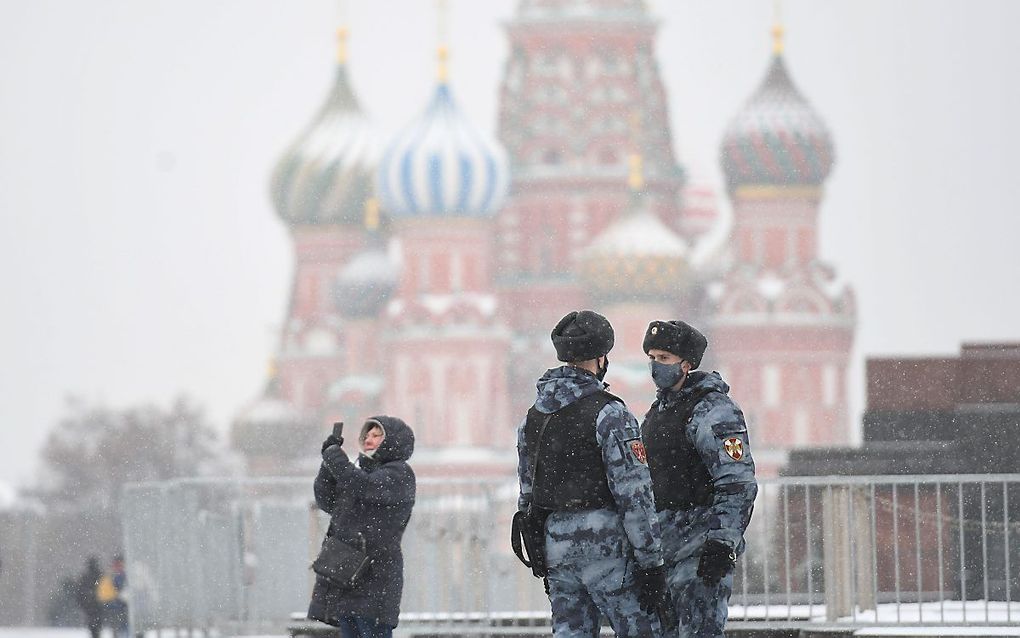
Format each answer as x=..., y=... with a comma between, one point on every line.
x=771, y=386
x=830, y=385
x=607, y=156
x=424, y=278
x=462, y=422
x=611, y=64
x=545, y=64
x=566, y=68
x=801, y=426
x=456, y=273
x=320, y=342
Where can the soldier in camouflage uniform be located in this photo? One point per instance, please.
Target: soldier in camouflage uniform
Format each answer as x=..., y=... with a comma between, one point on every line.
x=702, y=476
x=583, y=476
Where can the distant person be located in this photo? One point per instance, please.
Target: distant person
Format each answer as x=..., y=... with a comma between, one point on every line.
x=370, y=500
x=113, y=595
x=88, y=598
x=702, y=474
x=586, y=495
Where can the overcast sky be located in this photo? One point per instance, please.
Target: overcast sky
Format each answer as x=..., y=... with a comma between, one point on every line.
x=140, y=257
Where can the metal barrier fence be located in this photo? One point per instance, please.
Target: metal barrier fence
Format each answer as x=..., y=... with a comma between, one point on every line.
x=938, y=549
x=234, y=554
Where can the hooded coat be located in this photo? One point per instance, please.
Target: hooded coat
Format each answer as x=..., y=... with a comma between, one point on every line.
x=374, y=500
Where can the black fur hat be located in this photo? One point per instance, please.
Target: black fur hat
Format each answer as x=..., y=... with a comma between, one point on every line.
x=680, y=338
x=582, y=335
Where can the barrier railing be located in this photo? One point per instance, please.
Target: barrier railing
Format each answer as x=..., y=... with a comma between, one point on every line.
x=939, y=549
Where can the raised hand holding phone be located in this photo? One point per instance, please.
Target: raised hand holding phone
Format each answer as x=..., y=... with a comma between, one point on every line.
x=336, y=437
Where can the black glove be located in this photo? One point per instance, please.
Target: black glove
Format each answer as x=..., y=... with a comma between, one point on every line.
x=653, y=593
x=332, y=440
x=717, y=560
x=335, y=459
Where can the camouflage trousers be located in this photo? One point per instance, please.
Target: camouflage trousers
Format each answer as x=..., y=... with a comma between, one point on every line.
x=580, y=591
x=701, y=608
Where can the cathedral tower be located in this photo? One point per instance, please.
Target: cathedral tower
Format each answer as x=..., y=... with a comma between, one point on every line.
x=321, y=187
x=581, y=90
x=578, y=72
x=784, y=324
x=444, y=349
x=635, y=271
x=322, y=190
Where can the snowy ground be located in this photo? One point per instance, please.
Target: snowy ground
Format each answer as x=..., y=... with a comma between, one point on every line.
x=59, y=632
x=890, y=620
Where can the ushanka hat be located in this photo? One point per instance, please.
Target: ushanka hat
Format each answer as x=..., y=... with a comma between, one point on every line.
x=680, y=338
x=582, y=335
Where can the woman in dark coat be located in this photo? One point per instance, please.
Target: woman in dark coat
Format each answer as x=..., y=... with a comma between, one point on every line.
x=372, y=498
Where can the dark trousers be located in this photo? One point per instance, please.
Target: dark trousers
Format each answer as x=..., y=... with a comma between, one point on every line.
x=356, y=627
x=94, y=624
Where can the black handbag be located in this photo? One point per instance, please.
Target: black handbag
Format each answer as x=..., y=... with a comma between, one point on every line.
x=341, y=563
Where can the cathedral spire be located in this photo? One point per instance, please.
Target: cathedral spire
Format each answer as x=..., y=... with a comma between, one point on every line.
x=443, y=50
x=777, y=29
x=342, y=34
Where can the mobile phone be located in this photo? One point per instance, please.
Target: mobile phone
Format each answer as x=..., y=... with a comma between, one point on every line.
x=338, y=430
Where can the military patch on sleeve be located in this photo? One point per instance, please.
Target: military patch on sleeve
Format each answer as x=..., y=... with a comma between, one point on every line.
x=734, y=448
x=638, y=448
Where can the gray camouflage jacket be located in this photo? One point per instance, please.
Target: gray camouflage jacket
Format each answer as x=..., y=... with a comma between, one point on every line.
x=633, y=525
x=716, y=422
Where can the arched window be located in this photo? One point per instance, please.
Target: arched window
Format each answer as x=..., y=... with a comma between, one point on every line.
x=607, y=156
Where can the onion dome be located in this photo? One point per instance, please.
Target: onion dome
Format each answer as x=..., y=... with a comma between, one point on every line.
x=441, y=166
x=638, y=257
x=326, y=176
x=777, y=139
x=367, y=282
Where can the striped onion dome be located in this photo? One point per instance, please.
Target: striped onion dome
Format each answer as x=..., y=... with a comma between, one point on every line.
x=366, y=283
x=636, y=258
x=441, y=166
x=326, y=176
x=777, y=139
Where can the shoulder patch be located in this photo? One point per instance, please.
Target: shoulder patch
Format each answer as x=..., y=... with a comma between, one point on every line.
x=638, y=448
x=734, y=448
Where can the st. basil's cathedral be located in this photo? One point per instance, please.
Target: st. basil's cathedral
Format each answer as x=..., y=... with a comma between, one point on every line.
x=430, y=266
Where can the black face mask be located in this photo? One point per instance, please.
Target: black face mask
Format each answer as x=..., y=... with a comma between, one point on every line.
x=665, y=375
x=601, y=374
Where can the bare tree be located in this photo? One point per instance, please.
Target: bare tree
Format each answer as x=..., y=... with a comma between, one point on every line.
x=94, y=451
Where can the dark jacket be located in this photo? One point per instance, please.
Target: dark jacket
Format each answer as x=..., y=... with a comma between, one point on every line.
x=717, y=435
x=630, y=527
x=374, y=500
x=86, y=594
